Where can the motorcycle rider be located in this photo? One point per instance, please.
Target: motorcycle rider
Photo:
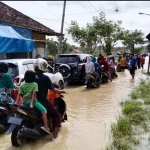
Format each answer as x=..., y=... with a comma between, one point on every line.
x=97, y=69
x=90, y=69
x=44, y=83
x=105, y=67
x=6, y=82
x=28, y=90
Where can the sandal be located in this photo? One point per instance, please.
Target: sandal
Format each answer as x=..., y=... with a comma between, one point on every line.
x=46, y=130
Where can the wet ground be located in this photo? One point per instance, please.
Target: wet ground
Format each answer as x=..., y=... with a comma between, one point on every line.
x=90, y=113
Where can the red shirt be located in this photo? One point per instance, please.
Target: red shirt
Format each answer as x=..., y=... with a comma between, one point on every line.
x=105, y=65
x=143, y=60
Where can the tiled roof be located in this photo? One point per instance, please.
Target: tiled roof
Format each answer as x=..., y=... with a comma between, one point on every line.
x=76, y=51
x=16, y=18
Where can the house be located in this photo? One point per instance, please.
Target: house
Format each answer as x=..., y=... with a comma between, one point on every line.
x=28, y=28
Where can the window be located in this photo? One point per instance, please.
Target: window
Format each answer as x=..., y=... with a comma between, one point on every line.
x=67, y=59
x=13, y=70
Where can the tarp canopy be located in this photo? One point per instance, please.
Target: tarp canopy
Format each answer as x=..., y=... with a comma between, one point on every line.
x=11, y=41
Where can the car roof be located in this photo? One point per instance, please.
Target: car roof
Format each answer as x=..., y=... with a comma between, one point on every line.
x=14, y=61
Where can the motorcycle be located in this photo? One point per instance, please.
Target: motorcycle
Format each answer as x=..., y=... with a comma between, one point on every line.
x=6, y=110
x=103, y=75
x=113, y=74
x=26, y=125
x=89, y=81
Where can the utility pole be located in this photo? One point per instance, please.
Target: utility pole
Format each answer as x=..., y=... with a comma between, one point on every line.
x=140, y=13
x=62, y=26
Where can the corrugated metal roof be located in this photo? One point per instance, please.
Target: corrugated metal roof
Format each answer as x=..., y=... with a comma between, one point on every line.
x=13, y=17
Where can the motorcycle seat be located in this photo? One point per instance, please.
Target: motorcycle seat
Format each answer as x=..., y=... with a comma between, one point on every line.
x=3, y=103
x=28, y=107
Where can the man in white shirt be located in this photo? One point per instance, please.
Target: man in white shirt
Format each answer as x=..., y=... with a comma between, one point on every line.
x=90, y=69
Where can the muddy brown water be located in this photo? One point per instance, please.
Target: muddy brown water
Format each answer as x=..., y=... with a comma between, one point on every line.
x=90, y=114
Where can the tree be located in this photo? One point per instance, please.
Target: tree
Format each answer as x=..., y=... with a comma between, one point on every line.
x=86, y=37
x=66, y=48
x=132, y=38
x=101, y=31
x=52, y=47
x=109, y=32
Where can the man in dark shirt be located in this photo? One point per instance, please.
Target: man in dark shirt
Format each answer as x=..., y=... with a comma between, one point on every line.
x=132, y=65
x=44, y=83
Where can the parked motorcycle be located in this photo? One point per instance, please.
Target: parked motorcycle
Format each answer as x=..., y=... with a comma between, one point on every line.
x=26, y=126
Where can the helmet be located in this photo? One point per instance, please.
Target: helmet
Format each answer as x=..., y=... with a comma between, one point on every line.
x=40, y=64
x=3, y=67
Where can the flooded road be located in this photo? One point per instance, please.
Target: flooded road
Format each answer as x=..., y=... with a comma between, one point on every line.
x=90, y=113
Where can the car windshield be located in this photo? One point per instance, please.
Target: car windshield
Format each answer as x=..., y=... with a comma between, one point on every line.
x=67, y=59
x=13, y=70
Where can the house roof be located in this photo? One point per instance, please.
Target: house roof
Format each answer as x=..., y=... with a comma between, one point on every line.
x=13, y=17
x=76, y=51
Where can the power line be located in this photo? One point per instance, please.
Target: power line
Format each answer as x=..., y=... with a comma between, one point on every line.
x=88, y=12
x=92, y=5
x=125, y=4
x=48, y=11
x=105, y=10
x=85, y=8
x=44, y=18
x=88, y=6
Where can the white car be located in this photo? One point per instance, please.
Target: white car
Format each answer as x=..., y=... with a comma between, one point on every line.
x=18, y=67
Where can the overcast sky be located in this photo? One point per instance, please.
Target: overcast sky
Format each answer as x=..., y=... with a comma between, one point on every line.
x=49, y=13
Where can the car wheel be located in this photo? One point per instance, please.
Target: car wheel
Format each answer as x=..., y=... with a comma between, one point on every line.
x=65, y=70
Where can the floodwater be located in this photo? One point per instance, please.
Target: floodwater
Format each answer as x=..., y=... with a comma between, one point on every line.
x=90, y=114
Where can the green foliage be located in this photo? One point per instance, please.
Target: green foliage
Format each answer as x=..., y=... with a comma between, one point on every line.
x=132, y=38
x=101, y=31
x=53, y=46
x=134, y=121
x=122, y=128
x=131, y=107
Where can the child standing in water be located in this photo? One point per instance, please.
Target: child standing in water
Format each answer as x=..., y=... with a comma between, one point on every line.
x=28, y=90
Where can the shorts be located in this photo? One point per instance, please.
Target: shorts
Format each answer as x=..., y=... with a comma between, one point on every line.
x=36, y=104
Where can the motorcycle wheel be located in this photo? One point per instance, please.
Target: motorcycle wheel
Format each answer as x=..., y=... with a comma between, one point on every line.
x=15, y=139
x=104, y=79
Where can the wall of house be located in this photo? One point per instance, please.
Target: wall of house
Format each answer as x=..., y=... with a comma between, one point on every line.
x=39, y=46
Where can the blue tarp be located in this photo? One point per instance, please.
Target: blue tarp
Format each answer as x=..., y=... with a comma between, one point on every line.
x=11, y=41
x=22, y=31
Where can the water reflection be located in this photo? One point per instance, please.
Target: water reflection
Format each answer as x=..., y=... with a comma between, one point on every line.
x=90, y=113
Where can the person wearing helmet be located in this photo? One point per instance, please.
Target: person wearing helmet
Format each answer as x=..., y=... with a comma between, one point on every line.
x=45, y=84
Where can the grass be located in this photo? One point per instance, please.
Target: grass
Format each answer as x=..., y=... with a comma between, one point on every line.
x=133, y=121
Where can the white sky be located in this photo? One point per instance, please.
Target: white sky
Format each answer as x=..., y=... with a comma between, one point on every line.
x=49, y=13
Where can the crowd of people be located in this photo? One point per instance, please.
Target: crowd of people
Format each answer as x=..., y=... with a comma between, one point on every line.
x=130, y=62
x=110, y=64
